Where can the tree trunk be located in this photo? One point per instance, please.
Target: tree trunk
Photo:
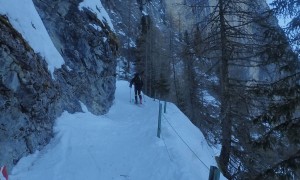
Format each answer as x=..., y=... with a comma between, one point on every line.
x=225, y=99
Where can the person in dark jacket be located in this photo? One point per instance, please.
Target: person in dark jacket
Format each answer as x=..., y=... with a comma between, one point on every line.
x=138, y=85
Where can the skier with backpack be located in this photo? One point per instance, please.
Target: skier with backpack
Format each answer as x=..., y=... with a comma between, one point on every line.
x=138, y=84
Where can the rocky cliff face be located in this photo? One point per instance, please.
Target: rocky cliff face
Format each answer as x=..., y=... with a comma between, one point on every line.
x=89, y=71
x=180, y=11
x=30, y=99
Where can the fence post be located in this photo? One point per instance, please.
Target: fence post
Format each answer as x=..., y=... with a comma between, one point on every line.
x=159, y=121
x=3, y=173
x=165, y=107
x=214, y=173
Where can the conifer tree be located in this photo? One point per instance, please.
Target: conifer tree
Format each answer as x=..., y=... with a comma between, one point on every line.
x=253, y=56
x=290, y=9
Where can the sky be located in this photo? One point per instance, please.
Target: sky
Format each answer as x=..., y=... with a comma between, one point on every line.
x=281, y=21
x=119, y=145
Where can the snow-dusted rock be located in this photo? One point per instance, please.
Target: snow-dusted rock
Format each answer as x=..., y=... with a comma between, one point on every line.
x=32, y=96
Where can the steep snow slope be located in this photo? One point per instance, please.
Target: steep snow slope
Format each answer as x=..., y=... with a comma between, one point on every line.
x=121, y=145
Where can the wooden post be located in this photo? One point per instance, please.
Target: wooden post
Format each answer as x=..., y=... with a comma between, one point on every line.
x=159, y=121
x=214, y=173
x=165, y=107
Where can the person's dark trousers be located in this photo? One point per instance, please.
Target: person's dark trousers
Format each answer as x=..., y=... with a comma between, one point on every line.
x=137, y=93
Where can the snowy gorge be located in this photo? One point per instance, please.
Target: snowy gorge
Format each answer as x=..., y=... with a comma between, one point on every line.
x=66, y=110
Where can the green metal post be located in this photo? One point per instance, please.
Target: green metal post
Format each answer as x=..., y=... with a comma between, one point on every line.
x=159, y=121
x=214, y=173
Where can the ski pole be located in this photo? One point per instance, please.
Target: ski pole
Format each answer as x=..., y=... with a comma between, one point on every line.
x=130, y=95
x=144, y=96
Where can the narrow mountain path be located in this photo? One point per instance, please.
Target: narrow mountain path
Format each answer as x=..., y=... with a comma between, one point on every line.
x=120, y=145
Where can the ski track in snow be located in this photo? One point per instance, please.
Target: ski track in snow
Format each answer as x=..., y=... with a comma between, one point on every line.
x=119, y=145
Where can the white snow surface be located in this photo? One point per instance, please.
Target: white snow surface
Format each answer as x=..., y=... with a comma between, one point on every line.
x=96, y=7
x=121, y=145
x=26, y=20
x=209, y=99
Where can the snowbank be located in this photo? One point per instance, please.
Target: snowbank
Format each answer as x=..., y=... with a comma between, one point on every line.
x=96, y=7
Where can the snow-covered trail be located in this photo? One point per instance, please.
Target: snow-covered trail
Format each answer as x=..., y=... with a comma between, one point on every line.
x=120, y=145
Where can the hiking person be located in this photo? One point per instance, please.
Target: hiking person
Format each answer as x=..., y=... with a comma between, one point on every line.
x=138, y=84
